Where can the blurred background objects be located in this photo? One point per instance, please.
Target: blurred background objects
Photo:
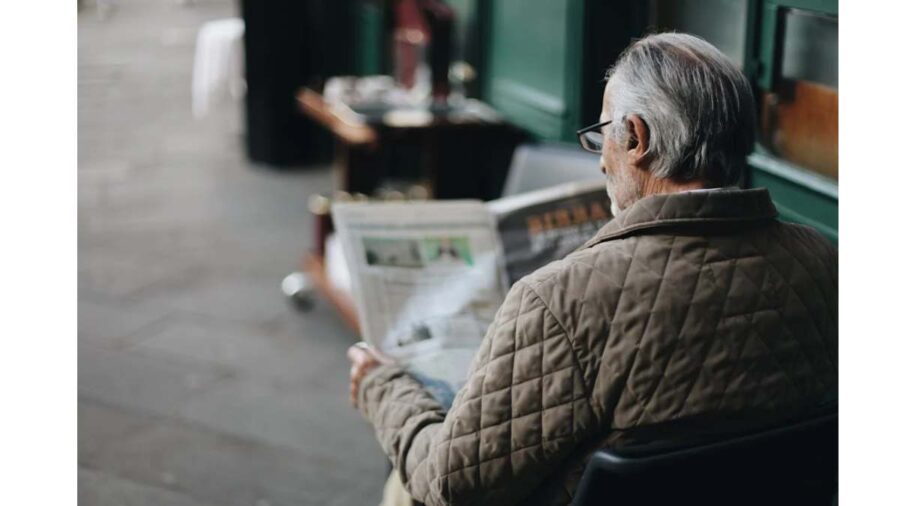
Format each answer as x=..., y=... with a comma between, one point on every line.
x=197, y=383
x=213, y=136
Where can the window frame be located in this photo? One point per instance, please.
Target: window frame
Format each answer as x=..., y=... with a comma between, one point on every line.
x=801, y=195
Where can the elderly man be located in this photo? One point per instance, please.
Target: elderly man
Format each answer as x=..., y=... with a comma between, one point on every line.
x=694, y=311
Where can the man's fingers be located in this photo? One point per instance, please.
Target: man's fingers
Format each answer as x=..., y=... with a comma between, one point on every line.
x=359, y=355
x=361, y=361
x=356, y=354
x=353, y=353
x=358, y=371
x=356, y=374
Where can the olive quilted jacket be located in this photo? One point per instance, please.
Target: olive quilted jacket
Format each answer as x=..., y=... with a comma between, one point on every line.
x=687, y=311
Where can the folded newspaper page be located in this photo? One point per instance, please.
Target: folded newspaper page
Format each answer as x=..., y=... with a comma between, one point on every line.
x=428, y=277
x=425, y=280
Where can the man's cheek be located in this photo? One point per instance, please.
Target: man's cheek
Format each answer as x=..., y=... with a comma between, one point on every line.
x=613, y=206
x=611, y=192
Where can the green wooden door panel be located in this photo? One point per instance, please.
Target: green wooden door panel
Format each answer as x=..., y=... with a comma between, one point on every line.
x=533, y=69
x=771, y=31
x=823, y=6
x=369, y=57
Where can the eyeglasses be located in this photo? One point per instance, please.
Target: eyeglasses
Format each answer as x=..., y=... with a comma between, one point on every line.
x=591, y=137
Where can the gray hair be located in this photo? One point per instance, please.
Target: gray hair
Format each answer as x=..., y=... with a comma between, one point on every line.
x=697, y=105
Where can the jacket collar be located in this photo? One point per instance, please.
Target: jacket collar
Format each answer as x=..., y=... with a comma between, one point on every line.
x=691, y=208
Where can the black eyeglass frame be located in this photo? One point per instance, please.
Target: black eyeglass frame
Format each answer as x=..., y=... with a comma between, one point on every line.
x=591, y=128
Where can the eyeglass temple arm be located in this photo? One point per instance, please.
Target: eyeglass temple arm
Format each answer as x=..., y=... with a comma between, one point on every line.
x=595, y=126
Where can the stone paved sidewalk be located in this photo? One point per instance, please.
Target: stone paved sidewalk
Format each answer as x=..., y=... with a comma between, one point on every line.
x=197, y=383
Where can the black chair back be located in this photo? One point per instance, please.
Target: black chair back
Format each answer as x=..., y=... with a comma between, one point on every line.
x=792, y=465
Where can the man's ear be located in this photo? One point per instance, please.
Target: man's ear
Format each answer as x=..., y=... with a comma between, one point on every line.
x=638, y=138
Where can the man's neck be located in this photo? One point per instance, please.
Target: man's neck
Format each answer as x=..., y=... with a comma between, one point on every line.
x=655, y=186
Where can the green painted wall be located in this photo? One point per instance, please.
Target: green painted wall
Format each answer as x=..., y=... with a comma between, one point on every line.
x=533, y=64
x=369, y=55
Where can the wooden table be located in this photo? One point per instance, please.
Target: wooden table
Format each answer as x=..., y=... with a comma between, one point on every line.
x=462, y=154
x=347, y=130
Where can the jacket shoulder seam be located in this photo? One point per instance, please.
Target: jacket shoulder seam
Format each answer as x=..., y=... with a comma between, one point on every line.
x=584, y=383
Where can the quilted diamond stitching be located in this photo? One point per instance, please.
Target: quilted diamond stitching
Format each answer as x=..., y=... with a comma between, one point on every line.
x=615, y=312
x=797, y=263
x=668, y=361
x=456, y=436
x=785, y=278
x=531, y=309
x=708, y=344
x=798, y=339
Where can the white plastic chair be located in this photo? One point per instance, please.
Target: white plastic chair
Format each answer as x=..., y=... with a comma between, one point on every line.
x=218, y=64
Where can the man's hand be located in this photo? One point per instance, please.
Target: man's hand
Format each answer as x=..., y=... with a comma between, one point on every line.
x=361, y=360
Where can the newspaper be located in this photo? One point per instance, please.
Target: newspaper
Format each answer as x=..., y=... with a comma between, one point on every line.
x=428, y=277
x=538, y=227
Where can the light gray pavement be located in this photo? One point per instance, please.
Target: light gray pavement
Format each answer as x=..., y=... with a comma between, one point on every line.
x=197, y=383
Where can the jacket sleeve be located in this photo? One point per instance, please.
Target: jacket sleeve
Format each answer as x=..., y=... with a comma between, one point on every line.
x=523, y=409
